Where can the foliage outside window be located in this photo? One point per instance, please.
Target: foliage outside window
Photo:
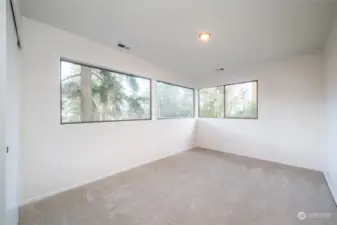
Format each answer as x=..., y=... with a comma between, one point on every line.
x=211, y=102
x=241, y=100
x=174, y=101
x=90, y=94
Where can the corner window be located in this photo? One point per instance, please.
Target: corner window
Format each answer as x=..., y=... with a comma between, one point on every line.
x=238, y=101
x=174, y=101
x=211, y=102
x=241, y=100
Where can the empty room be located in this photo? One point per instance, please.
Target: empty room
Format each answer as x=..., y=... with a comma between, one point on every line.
x=168, y=112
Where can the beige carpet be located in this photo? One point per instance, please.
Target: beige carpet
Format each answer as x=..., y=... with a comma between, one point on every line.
x=195, y=187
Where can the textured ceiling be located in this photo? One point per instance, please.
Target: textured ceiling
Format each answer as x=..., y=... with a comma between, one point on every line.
x=244, y=32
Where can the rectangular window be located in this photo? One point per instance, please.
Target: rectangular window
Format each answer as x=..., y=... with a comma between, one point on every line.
x=91, y=94
x=241, y=100
x=174, y=101
x=211, y=102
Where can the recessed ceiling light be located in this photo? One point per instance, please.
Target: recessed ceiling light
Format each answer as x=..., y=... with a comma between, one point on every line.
x=204, y=36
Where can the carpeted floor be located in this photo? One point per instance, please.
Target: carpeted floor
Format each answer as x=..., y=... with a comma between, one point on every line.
x=195, y=187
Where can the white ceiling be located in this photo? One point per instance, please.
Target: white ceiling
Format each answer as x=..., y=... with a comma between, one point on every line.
x=244, y=32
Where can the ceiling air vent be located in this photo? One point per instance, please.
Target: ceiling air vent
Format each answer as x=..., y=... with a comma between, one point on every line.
x=123, y=46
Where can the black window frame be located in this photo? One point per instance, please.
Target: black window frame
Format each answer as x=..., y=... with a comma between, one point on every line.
x=224, y=108
x=63, y=59
x=157, y=105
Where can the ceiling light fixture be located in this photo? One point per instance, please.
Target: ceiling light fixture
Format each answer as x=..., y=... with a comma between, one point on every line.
x=204, y=36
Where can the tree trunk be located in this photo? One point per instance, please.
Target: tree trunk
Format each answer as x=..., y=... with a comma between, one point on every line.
x=86, y=94
x=105, y=110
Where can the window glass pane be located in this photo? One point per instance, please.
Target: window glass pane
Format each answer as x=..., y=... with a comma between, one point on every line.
x=211, y=102
x=241, y=100
x=174, y=101
x=92, y=94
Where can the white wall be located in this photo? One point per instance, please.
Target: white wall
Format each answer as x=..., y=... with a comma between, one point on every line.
x=289, y=129
x=12, y=117
x=3, y=19
x=57, y=157
x=331, y=109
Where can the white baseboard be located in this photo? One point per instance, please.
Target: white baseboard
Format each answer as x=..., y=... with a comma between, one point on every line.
x=333, y=191
x=50, y=194
x=262, y=158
